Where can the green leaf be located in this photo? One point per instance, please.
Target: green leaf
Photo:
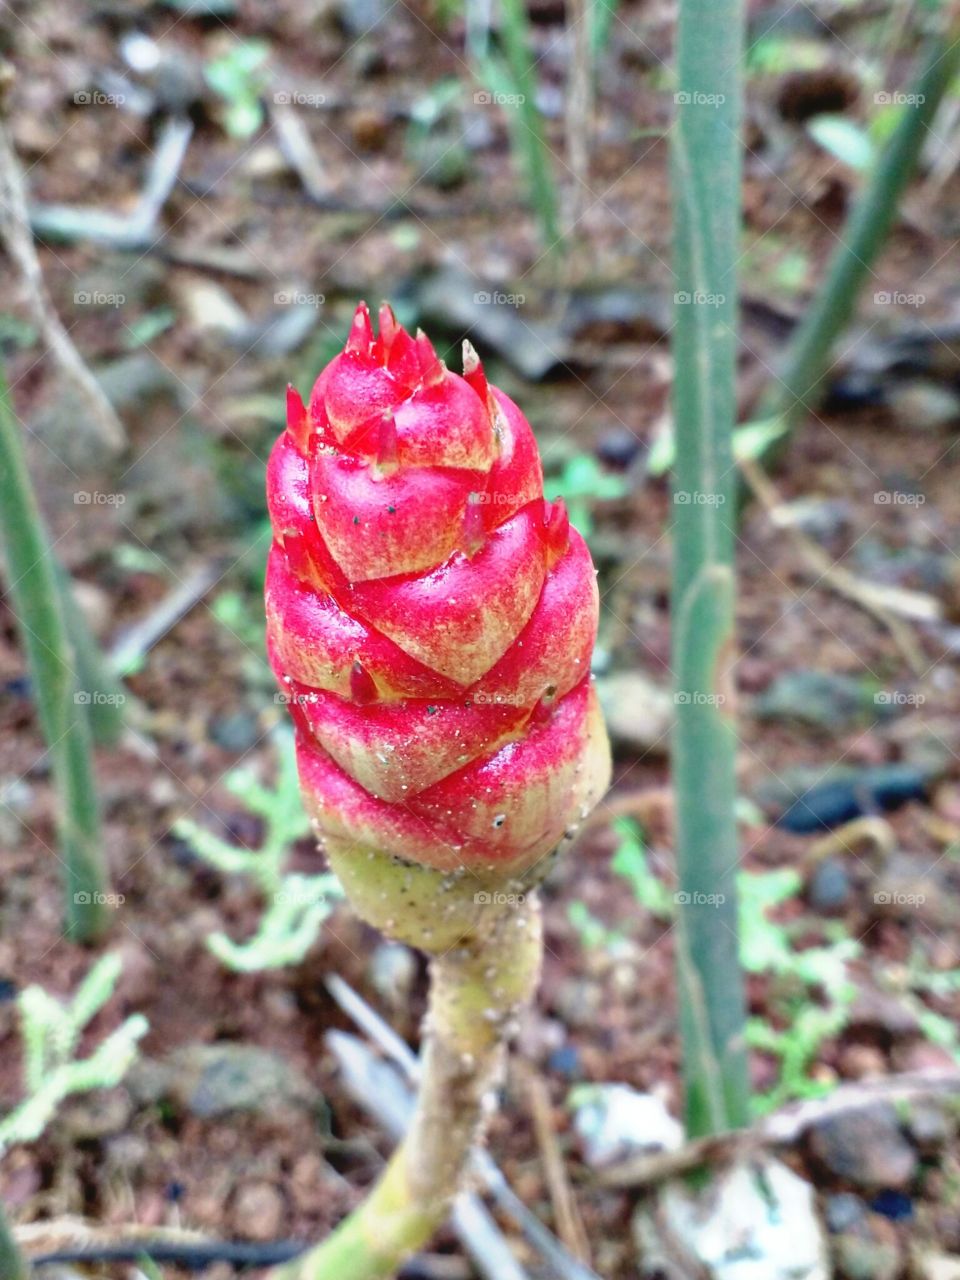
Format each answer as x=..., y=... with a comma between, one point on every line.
x=845, y=139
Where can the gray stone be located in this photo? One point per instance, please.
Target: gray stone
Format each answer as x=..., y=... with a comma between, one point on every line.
x=639, y=713
x=215, y=1079
x=866, y=1147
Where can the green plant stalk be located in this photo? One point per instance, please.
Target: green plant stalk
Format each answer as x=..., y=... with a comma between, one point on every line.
x=485, y=968
x=807, y=361
x=706, y=194
x=38, y=606
x=94, y=674
x=12, y=1263
x=526, y=125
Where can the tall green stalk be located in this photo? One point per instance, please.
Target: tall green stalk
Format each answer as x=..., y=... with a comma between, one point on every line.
x=512, y=78
x=807, y=363
x=706, y=221
x=12, y=1264
x=38, y=607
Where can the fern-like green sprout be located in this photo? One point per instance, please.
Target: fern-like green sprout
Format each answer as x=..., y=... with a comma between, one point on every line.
x=767, y=946
x=296, y=904
x=51, y=1031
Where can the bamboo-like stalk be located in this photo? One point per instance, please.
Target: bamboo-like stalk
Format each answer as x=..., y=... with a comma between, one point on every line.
x=807, y=362
x=478, y=984
x=104, y=711
x=12, y=1263
x=706, y=194
x=38, y=605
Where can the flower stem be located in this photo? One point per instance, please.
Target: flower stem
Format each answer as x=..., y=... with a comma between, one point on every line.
x=476, y=990
x=12, y=1264
x=706, y=192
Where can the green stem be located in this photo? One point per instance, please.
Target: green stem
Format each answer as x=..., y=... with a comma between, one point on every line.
x=38, y=607
x=807, y=362
x=12, y=1263
x=94, y=674
x=706, y=186
x=477, y=987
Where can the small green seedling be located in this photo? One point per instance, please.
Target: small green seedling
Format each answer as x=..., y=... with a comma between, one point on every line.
x=238, y=77
x=51, y=1032
x=581, y=483
x=296, y=904
x=811, y=986
x=800, y=974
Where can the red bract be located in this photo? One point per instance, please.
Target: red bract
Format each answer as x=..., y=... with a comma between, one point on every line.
x=429, y=614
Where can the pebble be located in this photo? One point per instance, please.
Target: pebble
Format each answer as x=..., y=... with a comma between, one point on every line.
x=870, y=1252
x=821, y=699
x=866, y=1147
x=930, y=1123
x=830, y=886
x=862, y=1062
x=565, y=1061
x=258, y=1211
x=938, y=1266
x=213, y=1080
x=639, y=713
x=235, y=732
x=618, y=446
x=843, y=1211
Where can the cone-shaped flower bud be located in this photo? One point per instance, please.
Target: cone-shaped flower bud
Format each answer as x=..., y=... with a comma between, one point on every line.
x=433, y=614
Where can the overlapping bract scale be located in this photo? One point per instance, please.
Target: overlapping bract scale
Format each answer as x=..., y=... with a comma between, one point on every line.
x=429, y=616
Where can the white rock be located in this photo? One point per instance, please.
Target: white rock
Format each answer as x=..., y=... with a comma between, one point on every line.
x=752, y=1221
x=613, y=1122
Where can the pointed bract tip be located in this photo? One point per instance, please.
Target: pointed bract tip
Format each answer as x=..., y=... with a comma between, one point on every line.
x=360, y=339
x=386, y=460
x=298, y=424
x=556, y=530
x=474, y=375
x=473, y=533
x=389, y=327
x=432, y=367
x=362, y=687
x=471, y=360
